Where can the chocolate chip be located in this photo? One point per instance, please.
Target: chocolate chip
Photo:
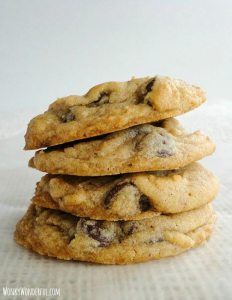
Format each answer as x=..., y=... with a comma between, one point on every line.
x=150, y=242
x=68, y=116
x=153, y=241
x=141, y=95
x=144, y=203
x=159, y=240
x=131, y=229
x=164, y=139
x=118, y=187
x=128, y=228
x=102, y=99
x=149, y=86
x=93, y=229
x=164, y=153
x=167, y=150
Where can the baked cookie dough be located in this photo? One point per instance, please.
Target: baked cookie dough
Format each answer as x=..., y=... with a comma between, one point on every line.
x=64, y=236
x=130, y=196
x=110, y=107
x=161, y=146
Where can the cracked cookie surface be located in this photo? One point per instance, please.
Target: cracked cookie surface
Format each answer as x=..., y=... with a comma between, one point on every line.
x=130, y=196
x=149, y=147
x=110, y=107
x=64, y=236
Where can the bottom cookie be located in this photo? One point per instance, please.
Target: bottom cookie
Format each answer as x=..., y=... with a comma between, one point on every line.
x=65, y=236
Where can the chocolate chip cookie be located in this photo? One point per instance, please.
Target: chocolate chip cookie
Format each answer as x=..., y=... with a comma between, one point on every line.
x=161, y=146
x=110, y=107
x=64, y=236
x=130, y=196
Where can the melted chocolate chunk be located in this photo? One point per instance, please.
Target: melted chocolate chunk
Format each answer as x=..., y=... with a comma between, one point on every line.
x=113, y=192
x=164, y=153
x=159, y=240
x=149, y=86
x=144, y=203
x=128, y=228
x=68, y=116
x=93, y=229
x=131, y=229
x=102, y=99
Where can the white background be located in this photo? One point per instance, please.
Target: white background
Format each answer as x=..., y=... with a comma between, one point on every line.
x=50, y=49
x=53, y=48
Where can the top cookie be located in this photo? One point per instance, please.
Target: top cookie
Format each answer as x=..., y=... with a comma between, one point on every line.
x=110, y=107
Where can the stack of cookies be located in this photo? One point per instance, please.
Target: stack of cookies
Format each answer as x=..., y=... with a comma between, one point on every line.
x=123, y=184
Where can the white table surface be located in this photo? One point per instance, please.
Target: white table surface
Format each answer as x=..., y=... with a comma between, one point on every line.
x=203, y=273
